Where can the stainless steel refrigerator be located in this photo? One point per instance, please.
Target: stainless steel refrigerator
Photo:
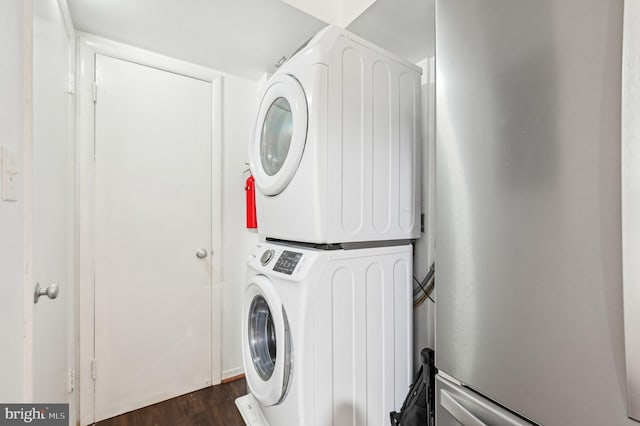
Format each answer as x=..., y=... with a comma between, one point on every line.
x=529, y=307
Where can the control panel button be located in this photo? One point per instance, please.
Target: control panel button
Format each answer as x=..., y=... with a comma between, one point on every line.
x=266, y=257
x=287, y=262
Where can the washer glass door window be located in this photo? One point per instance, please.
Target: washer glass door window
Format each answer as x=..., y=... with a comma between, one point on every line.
x=280, y=134
x=262, y=338
x=267, y=342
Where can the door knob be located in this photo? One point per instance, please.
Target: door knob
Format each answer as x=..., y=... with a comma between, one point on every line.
x=51, y=292
x=201, y=254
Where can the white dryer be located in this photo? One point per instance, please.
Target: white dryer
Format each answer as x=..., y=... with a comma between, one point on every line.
x=336, y=147
x=327, y=334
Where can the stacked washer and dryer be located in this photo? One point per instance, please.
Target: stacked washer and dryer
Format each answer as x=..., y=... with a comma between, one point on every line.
x=327, y=313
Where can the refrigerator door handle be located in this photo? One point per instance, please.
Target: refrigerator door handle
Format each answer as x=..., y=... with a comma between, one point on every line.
x=458, y=411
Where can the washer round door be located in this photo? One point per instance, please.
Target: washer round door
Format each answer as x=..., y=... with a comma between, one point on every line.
x=280, y=134
x=266, y=342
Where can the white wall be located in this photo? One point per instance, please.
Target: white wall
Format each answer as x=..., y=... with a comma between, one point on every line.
x=336, y=12
x=351, y=9
x=11, y=213
x=424, y=252
x=239, y=109
x=329, y=11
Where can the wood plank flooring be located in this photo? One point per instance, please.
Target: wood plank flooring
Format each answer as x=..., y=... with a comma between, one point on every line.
x=213, y=406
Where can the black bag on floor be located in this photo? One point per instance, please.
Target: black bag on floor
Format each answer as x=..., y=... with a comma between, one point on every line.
x=418, y=408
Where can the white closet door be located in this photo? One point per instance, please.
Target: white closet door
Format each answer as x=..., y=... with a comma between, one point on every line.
x=153, y=330
x=52, y=205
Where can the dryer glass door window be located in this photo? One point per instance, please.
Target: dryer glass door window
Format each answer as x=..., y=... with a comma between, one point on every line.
x=276, y=136
x=280, y=135
x=262, y=337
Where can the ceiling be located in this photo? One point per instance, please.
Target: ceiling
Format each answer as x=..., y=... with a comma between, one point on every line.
x=404, y=27
x=242, y=37
x=246, y=37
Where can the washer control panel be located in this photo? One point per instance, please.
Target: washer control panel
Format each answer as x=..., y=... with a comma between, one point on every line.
x=287, y=262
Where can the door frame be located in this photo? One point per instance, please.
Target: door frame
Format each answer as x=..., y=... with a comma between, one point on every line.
x=88, y=46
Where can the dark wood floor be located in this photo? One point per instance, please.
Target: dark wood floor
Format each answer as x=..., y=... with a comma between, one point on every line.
x=212, y=406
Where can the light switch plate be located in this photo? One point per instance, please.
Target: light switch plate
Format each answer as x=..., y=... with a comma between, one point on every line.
x=9, y=175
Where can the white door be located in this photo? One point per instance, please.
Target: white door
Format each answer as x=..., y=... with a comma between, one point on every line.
x=153, y=243
x=280, y=134
x=51, y=208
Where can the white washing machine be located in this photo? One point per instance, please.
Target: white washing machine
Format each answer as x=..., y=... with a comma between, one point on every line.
x=327, y=334
x=336, y=146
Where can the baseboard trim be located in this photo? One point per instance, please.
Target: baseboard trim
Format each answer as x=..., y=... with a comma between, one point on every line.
x=233, y=379
x=231, y=374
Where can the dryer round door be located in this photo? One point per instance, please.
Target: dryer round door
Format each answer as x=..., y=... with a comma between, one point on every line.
x=280, y=134
x=266, y=342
